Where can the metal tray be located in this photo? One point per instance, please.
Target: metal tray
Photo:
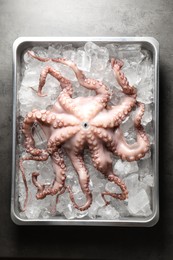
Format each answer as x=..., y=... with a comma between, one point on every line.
x=24, y=43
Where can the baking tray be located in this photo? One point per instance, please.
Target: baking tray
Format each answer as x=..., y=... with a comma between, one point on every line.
x=19, y=47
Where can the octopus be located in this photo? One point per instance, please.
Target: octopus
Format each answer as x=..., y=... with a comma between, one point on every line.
x=75, y=124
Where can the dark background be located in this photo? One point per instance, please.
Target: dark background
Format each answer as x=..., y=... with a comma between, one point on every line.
x=87, y=18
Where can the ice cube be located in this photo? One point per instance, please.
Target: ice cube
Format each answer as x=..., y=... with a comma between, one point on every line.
x=99, y=56
x=45, y=213
x=81, y=214
x=109, y=76
x=145, y=167
x=119, y=166
x=112, y=49
x=62, y=202
x=145, y=96
x=69, y=55
x=92, y=211
x=132, y=52
x=39, y=137
x=112, y=187
x=79, y=198
x=147, y=117
x=146, y=211
x=69, y=212
x=98, y=184
x=47, y=175
x=99, y=200
x=131, y=75
x=138, y=202
x=108, y=212
x=54, y=52
x=83, y=60
x=127, y=124
x=124, y=168
x=32, y=212
x=149, y=180
x=91, y=48
x=60, y=207
x=132, y=183
x=40, y=51
x=120, y=206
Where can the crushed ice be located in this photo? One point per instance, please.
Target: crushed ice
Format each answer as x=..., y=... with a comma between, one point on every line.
x=94, y=61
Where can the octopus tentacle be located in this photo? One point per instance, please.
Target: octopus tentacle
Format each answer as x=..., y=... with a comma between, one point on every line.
x=56, y=118
x=88, y=83
x=27, y=158
x=60, y=169
x=122, y=80
x=121, y=196
x=115, y=115
x=30, y=119
x=139, y=114
x=40, y=187
x=83, y=177
x=64, y=83
x=45, y=120
x=78, y=143
x=68, y=104
x=131, y=152
x=102, y=161
x=105, y=136
x=64, y=98
x=60, y=136
x=92, y=84
x=58, y=183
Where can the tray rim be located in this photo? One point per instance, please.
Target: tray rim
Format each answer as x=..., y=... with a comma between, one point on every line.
x=136, y=221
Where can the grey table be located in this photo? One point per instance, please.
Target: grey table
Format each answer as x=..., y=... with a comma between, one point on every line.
x=88, y=18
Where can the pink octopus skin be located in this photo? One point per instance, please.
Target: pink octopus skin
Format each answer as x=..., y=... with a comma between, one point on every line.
x=74, y=124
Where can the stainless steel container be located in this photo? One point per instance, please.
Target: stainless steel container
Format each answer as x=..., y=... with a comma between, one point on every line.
x=148, y=43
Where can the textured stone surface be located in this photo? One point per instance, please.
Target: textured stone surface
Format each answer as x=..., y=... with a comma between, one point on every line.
x=87, y=18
